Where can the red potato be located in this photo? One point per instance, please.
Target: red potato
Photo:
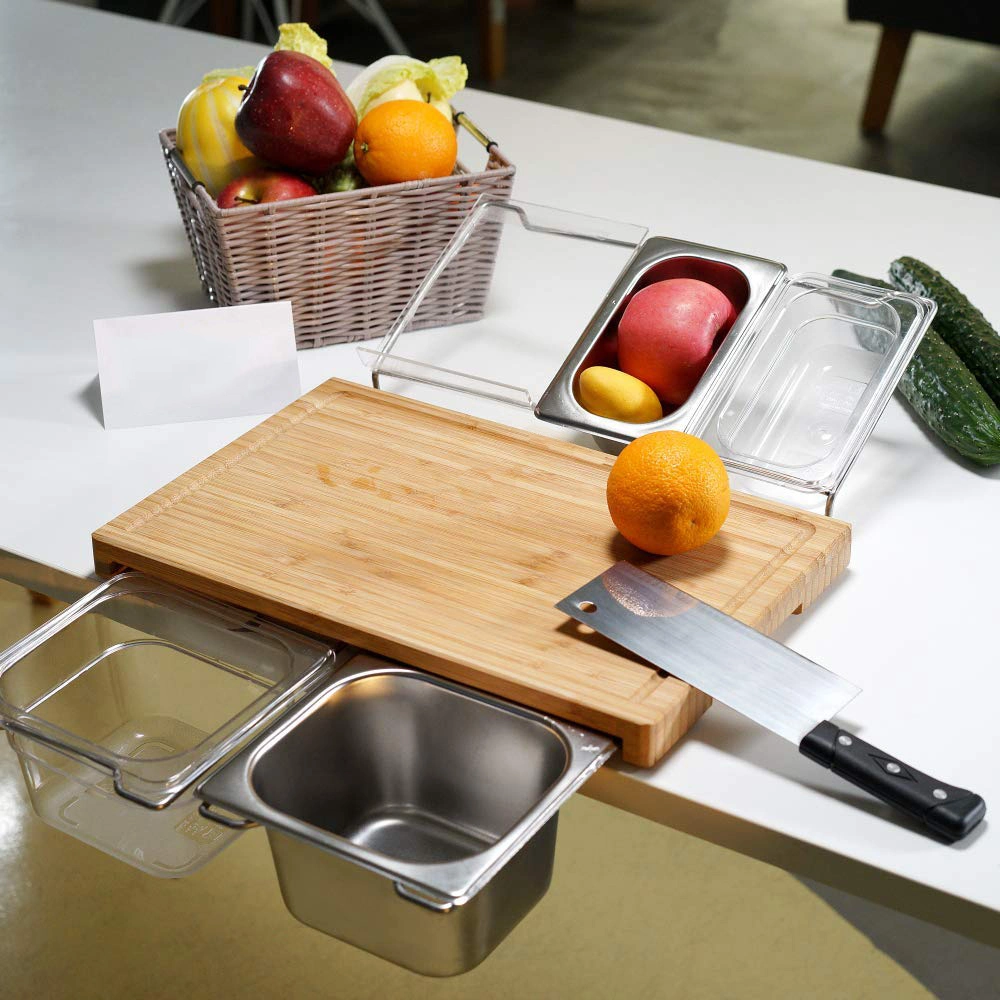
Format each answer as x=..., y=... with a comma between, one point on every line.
x=668, y=333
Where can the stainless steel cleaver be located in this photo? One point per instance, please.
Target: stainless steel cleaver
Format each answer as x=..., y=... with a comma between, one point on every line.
x=765, y=681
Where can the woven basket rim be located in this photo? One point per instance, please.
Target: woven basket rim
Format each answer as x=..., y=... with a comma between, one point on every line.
x=498, y=166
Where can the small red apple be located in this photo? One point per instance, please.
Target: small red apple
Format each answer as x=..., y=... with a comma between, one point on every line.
x=668, y=334
x=263, y=186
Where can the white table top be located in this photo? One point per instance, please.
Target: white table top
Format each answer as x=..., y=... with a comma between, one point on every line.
x=91, y=230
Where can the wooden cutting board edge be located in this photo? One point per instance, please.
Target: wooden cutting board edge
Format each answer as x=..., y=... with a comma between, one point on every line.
x=667, y=707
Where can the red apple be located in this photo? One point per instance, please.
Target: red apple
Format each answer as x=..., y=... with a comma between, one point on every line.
x=668, y=333
x=295, y=114
x=263, y=186
x=604, y=353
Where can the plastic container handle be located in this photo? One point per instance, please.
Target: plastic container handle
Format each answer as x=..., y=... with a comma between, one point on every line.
x=72, y=753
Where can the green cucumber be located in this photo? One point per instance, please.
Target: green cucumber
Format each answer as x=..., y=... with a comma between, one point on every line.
x=964, y=328
x=944, y=394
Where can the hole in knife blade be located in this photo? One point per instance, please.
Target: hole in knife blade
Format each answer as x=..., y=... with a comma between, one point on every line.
x=588, y=606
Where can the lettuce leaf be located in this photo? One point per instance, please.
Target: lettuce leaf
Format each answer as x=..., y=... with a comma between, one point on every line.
x=437, y=80
x=299, y=37
x=243, y=72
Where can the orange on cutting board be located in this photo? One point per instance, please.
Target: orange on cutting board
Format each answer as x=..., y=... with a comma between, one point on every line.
x=404, y=141
x=668, y=492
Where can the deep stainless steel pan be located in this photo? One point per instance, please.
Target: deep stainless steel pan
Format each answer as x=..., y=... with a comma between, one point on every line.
x=410, y=816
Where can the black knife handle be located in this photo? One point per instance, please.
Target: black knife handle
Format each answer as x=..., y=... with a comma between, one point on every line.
x=950, y=812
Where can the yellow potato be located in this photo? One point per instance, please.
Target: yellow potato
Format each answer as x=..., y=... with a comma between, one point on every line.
x=607, y=392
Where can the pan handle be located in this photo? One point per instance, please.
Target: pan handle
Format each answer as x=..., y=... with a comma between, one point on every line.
x=414, y=895
x=952, y=813
x=205, y=810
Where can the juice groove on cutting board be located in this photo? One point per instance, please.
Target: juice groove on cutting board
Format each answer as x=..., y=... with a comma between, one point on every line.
x=444, y=541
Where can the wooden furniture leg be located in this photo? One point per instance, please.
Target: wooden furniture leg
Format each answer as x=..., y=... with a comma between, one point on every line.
x=885, y=75
x=493, y=37
x=222, y=17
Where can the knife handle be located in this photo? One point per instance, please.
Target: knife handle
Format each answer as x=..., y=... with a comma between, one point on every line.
x=950, y=812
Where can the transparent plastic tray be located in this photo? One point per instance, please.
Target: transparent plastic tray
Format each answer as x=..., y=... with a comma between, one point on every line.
x=809, y=388
x=504, y=359
x=117, y=705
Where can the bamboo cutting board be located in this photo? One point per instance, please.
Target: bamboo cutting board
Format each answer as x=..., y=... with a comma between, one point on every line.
x=444, y=541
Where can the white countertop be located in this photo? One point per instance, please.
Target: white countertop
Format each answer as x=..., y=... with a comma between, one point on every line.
x=90, y=229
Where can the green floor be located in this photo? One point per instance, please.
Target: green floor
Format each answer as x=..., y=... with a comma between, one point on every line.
x=635, y=909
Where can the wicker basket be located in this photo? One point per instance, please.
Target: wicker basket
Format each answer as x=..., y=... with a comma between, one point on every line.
x=348, y=261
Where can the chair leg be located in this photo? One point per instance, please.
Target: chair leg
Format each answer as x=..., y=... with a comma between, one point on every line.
x=493, y=37
x=885, y=75
x=222, y=17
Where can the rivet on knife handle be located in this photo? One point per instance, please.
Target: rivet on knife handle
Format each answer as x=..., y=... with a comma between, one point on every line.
x=950, y=812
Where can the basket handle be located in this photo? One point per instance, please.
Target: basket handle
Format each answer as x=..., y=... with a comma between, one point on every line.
x=461, y=118
x=181, y=167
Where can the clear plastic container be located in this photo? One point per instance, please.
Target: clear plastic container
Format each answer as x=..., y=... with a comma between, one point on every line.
x=119, y=704
x=789, y=399
x=800, y=401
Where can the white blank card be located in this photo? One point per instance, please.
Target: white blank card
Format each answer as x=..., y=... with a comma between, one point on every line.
x=199, y=365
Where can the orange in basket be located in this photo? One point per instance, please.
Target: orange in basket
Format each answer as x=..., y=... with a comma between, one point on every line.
x=404, y=141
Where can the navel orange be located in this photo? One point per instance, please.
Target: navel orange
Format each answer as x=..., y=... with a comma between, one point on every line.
x=404, y=141
x=668, y=492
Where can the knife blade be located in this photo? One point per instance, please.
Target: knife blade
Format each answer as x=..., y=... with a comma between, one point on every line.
x=765, y=681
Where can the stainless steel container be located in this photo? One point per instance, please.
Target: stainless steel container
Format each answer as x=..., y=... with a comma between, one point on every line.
x=407, y=815
x=747, y=282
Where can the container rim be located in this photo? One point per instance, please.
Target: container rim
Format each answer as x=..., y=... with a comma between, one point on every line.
x=441, y=886
x=489, y=210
